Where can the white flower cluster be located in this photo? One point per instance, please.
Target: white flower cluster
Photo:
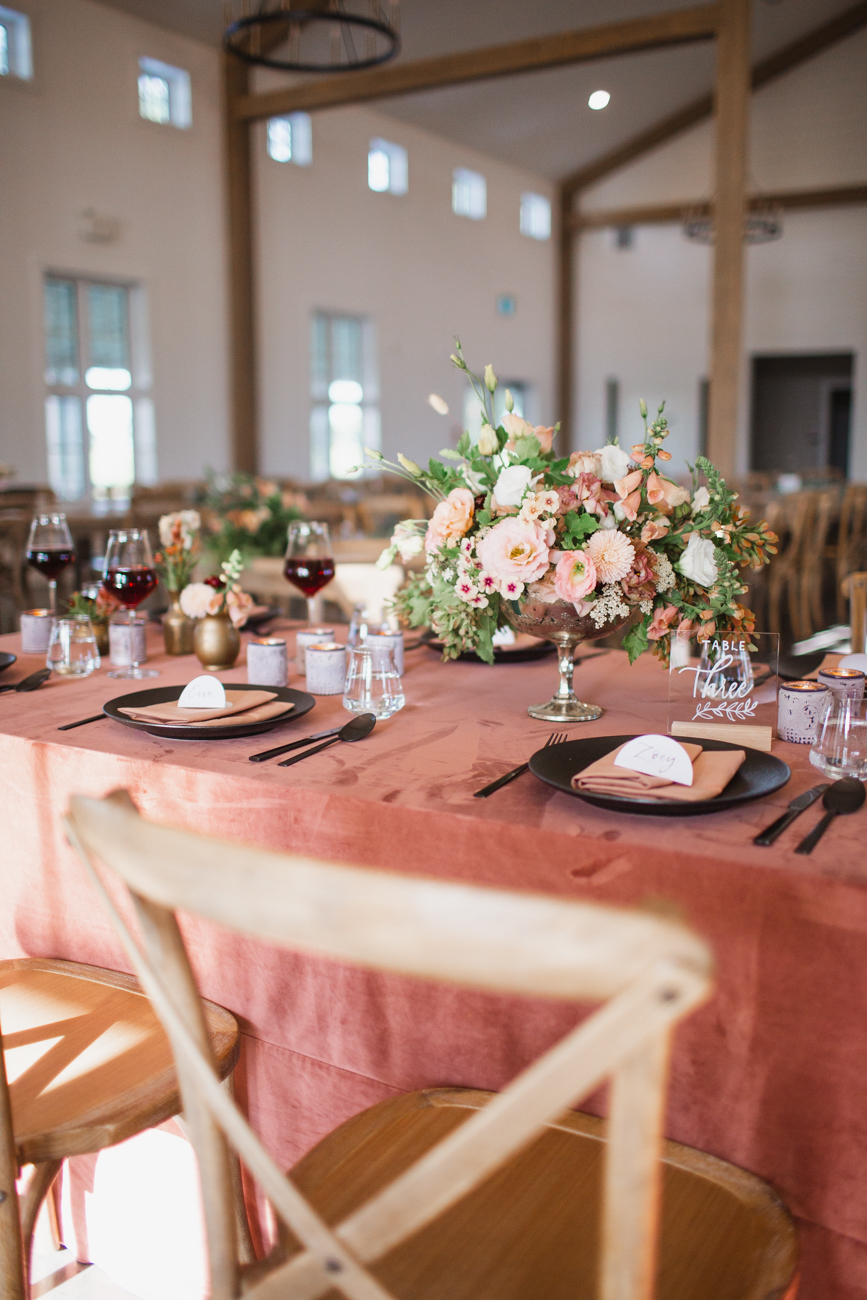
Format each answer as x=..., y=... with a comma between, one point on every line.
x=610, y=606
x=665, y=578
x=185, y=522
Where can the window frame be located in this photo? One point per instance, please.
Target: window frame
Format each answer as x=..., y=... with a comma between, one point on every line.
x=532, y=204
x=398, y=166
x=180, y=92
x=300, y=150
x=19, y=46
x=143, y=425
x=466, y=178
x=321, y=403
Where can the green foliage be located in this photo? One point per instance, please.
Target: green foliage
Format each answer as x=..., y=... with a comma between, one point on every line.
x=635, y=641
x=577, y=529
x=244, y=513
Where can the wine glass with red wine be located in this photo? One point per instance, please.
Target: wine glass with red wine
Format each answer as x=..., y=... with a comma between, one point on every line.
x=50, y=549
x=309, y=563
x=130, y=576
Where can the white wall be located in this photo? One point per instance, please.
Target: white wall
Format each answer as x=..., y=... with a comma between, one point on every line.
x=420, y=273
x=644, y=312
x=73, y=139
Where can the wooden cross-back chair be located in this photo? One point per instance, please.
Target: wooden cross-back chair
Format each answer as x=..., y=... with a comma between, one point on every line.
x=416, y=1166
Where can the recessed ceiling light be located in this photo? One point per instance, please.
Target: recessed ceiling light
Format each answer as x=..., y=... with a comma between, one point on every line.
x=599, y=99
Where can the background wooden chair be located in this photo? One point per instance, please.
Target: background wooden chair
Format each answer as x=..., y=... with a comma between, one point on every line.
x=850, y=553
x=454, y=1195
x=378, y=514
x=109, y=1075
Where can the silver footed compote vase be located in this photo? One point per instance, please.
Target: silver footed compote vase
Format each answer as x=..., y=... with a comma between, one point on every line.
x=560, y=622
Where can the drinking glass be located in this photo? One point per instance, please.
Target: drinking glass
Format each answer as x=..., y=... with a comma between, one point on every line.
x=72, y=650
x=840, y=747
x=725, y=671
x=130, y=576
x=309, y=563
x=50, y=549
x=373, y=683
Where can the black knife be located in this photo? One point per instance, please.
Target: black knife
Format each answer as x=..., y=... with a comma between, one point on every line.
x=796, y=807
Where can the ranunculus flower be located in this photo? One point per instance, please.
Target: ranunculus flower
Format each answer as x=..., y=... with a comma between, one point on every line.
x=698, y=562
x=701, y=500
x=514, y=550
x=661, y=622
x=613, y=462
x=574, y=576
x=673, y=496
x=612, y=554
x=451, y=519
x=199, y=599
x=512, y=484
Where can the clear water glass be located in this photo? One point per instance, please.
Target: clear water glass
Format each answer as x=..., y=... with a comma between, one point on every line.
x=72, y=650
x=373, y=683
x=840, y=747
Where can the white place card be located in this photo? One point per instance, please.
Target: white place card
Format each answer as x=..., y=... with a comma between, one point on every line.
x=656, y=756
x=203, y=693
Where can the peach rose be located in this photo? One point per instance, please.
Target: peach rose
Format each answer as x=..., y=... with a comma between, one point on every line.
x=451, y=519
x=575, y=575
x=517, y=427
x=661, y=622
x=515, y=550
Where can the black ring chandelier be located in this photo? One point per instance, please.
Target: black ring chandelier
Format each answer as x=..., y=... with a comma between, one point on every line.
x=323, y=36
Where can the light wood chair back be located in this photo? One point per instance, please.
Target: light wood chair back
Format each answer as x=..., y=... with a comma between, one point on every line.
x=648, y=971
x=851, y=549
x=854, y=589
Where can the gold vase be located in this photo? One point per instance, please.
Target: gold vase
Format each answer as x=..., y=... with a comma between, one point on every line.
x=216, y=641
x=100, y=631
x=177, y=628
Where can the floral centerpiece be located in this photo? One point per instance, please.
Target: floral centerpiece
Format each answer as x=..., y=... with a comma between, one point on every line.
x=176, y=563
x=600, y=538
x=247, y=514
x=219, y=608
x=98, y=609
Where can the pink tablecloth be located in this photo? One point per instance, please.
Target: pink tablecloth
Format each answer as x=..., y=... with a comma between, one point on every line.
x=769, y=1075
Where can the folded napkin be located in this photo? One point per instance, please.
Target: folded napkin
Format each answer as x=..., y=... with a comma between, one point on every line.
x=236, y=702
x=712, y=769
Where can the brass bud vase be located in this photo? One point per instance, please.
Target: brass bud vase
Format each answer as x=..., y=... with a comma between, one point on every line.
x=216, y=641
x=177, y=628
x=100, y=630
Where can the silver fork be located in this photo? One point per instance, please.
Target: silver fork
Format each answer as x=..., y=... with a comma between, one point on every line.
x=556, y=738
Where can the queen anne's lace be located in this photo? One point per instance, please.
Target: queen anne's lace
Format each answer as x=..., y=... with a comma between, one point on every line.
x=610, y=606
x=665, y=577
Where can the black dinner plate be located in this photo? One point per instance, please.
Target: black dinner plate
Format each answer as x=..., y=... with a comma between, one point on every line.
x=794, y=668
x=503, y=654
x=6, y=660
x=163, y=694
x=759, y=774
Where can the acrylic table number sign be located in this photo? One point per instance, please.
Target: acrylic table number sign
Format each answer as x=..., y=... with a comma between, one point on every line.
x=727, y=690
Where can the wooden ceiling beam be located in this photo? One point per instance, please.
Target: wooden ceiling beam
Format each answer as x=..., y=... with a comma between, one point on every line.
x=699, y=110
x=666, y=213
x=653, y=32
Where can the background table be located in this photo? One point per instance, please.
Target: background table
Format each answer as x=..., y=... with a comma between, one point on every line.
x=770, y=1074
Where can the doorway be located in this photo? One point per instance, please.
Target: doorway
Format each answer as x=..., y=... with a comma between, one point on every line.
x=801, y=413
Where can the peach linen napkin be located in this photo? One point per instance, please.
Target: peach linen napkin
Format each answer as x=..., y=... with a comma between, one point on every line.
x=246, y=706
x=712, y=769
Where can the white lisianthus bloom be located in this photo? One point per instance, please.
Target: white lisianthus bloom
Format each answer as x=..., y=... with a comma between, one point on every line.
x=700, y=501
x=487, y=443
x=698, y=562
x=613, y=462
x=512, y=484
x=407, y=540
x=609, y=521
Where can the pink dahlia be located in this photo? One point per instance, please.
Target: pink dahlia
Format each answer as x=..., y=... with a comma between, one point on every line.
x=612, y=553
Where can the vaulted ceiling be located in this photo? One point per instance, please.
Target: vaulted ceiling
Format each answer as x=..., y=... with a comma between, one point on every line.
x=540, y=120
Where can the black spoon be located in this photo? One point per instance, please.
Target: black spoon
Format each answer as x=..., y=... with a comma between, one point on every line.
x=30, y=683
x=357, y=729
x=845, y=796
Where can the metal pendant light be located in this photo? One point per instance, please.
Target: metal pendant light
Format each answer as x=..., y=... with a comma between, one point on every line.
x=313, y=35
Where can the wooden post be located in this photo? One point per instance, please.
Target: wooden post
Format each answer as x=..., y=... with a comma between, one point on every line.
x=565, y=321
x=242, y=320
x=732, y=120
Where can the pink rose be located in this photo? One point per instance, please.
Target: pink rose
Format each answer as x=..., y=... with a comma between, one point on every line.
x=514, y=550
x=575, y=576
x=661, y=622
x=451, y=519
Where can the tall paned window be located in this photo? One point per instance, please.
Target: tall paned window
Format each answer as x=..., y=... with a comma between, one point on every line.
x=344, y=418
x=98, y=421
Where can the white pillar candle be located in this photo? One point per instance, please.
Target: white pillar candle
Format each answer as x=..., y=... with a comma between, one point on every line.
x=36, y=627
x=127, y=642
x=326, y=669
x=309, y=636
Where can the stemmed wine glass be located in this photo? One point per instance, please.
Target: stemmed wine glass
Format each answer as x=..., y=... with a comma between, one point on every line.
x=130, y=576
x=50, y=549
x=309, y=562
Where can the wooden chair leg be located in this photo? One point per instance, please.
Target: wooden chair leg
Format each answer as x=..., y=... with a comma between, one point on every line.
x=38, y=1188
x=246, y=1250
x=54, y=1214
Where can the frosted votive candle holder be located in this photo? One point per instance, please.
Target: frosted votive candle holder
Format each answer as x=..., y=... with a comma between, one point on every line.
x=326, y=668
x=845, y=682
x=800, y=706
x=266, y=661
x=36, y=631
x=127, y=642
x=309, y=636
